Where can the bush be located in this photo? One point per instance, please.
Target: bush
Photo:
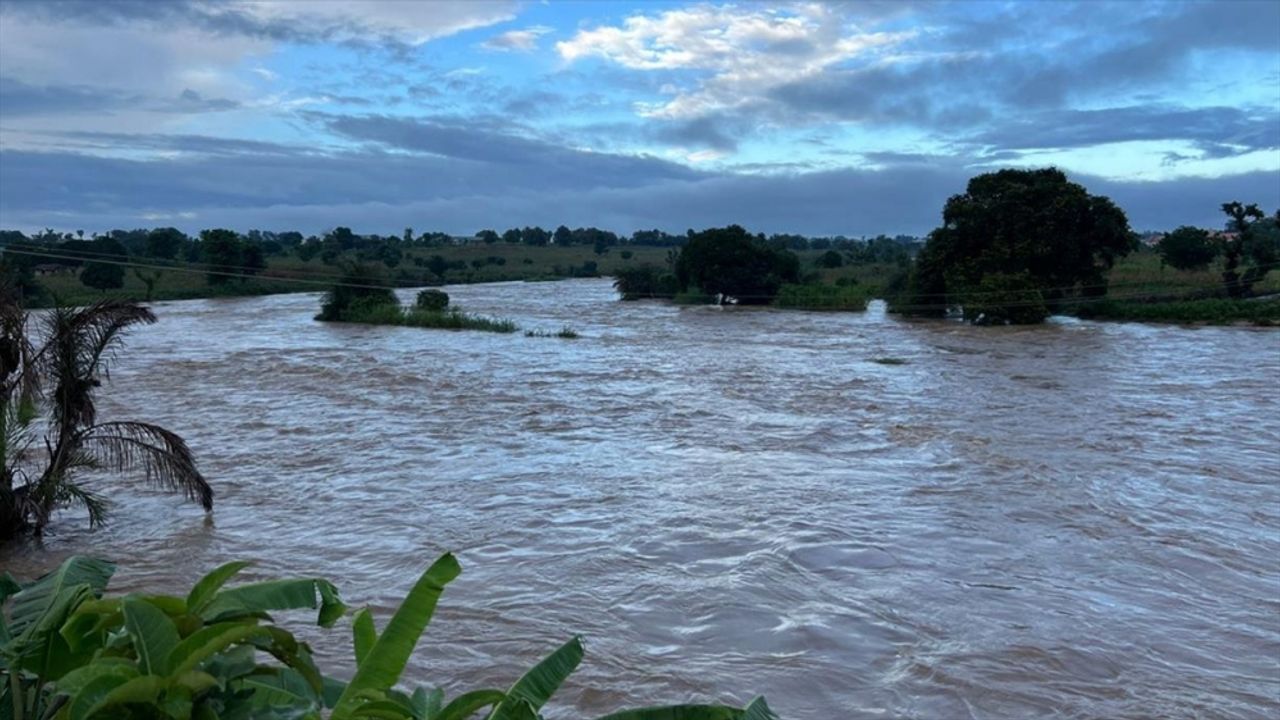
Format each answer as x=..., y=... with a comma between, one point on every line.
x=1005, y=299
x=644, y=282
x=69, y=651
x=360, y=284
x=1210, y=311
x=1188, y=248
x=455, y=320
x=823, y=297
x=432, y=300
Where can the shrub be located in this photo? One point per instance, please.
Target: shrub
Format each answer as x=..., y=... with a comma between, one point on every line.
x=359, y=282
x=644, y=281
x=432, y=300
x=1005, y=299
x=70, y=652
x=456, y=320
x=830, y=259
x=823, y=297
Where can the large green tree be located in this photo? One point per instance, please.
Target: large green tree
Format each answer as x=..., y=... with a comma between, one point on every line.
x=732, y=262
x=1014, y=244
x=1188, y=248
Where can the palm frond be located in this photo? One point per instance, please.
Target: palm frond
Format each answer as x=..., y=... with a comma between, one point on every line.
x=70, y=493
x=162, y=455
x=80, y=343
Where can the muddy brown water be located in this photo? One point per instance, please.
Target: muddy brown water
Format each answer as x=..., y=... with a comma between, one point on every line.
x=1078, y=520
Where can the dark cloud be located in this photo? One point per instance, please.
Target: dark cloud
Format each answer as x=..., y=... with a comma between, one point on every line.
x=252, y=185
x=711, y=132
x=1220, y=131
x=19, y=98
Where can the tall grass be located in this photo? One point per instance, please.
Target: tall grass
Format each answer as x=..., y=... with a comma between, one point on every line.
x=1211, y=311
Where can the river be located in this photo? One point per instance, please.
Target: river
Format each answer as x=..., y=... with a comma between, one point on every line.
x=1078, y=520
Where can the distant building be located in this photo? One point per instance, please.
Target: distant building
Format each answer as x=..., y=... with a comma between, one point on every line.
x=1151, y=239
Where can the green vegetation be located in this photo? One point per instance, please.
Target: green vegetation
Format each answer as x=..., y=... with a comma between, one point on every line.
x=565, y=333
x=50, y=369
x=1212, y=311
x=70, y=652
x=644, y=282
x=449, y=320
x=731, y=263
x=361, y=297
x=1012, y=246
x=815, y=296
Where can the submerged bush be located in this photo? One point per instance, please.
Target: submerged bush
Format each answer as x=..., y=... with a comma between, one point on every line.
x=69, y=652
x=361, y=285
x=455, y=320
x=1210, y=311
x=1005, y=299
x=644, y=282
x=432, y=299
x=823, y=297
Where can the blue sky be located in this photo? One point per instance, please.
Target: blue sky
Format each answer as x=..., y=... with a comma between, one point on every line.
x=821, y=118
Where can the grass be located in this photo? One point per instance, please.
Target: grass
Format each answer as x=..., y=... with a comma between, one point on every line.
x=1213, y=311
x=448, y=319
x=566, y=333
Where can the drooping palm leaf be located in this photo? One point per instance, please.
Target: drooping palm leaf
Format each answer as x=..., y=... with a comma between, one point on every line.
x=162, y=455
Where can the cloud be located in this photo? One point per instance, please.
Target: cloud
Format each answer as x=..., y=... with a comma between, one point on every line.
x=737, y=54
x=1219, y=130
x=303, y=21
x=525, y=40
x=422, y=183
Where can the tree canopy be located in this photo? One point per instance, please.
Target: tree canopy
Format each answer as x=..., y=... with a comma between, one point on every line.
x=1026, y=236
x=730, y=261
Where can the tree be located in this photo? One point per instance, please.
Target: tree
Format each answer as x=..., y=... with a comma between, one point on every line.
x=1250, y=241
x=511, y=236
x=220, y=252
x=165, y=243
x=488, y=237
x=149, y=279
x=1043, y=235
x=104, y=275
x=562, y=236
x=731, y=262
x=360, y=287
x=1188, y=248
x=535, y=236
x=252, y=260
x=830, y=259
x=57, y=375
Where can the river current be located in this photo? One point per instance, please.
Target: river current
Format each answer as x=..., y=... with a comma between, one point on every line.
x=853, y=515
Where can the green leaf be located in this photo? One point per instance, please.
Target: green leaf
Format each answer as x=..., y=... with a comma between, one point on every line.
x=31, y=602
x=427, y=704
x=91, y=694
x=466, y=704
x=8, y=586
x=140, y=690
x=277, y=595
x=758, y=709
x=383, y=710
x=679, y=712
x=541, y=682
x=209, y=585
x=75, y=681
x=382, y=667
x=154, y=635
x=40, y=649
x=205, y=643
x=282, y=688
x=365, y=634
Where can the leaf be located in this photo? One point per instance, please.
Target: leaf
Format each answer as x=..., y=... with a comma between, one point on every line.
x=679, y=712
x=8, y=586
x=466, y=704
x=154, y=635
x=40, y=649
x=277, y=595
x=382, y=667
x=758, y=709
x=427, y=704
x=31, y=602
x=77, y=680
x=383, y=710
x=140, y=690
x=207, y=642
x=91, y=694
x=283, y=687
x=541, y=682
x=365, y=634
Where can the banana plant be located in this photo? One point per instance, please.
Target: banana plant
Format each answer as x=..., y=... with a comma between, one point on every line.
x=69, y=653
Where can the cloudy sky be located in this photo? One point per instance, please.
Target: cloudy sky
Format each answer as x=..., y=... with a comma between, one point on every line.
x=855, y=118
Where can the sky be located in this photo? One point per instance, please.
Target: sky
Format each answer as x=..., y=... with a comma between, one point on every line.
x=852, y=118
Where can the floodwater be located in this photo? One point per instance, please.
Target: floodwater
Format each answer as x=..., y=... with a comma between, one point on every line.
x=1077, y=520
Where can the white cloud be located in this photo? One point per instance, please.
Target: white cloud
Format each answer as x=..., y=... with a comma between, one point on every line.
x=525, y=40
x=739, y=52
x=410, y=22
